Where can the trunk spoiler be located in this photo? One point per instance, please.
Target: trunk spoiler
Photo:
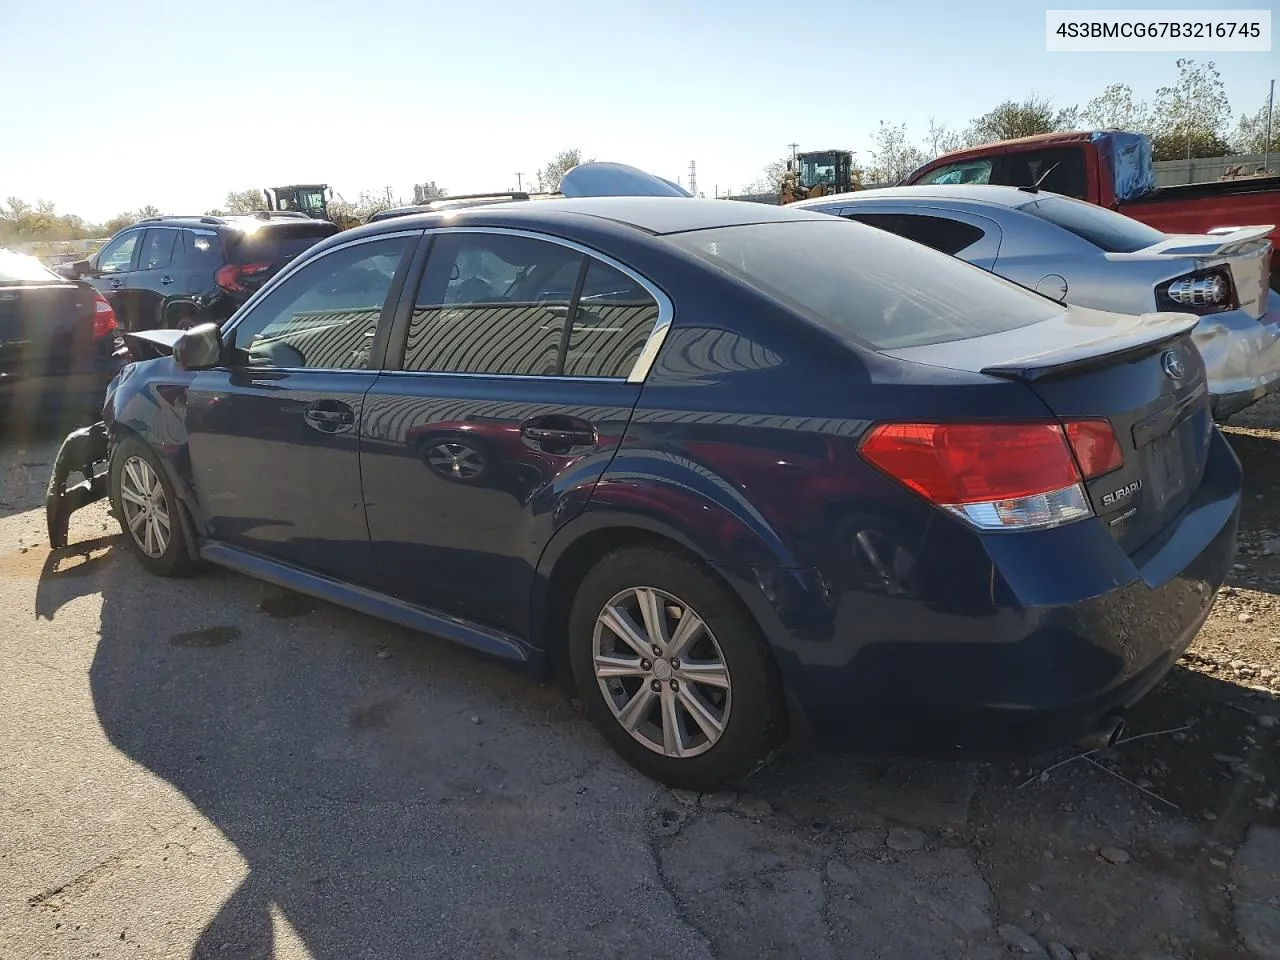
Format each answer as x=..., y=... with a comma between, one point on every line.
x=1152, y=331
x=1220, y=241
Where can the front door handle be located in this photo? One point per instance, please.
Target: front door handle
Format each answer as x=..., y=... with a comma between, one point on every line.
x=116, y=284
x=329, y=416
x=557, y=434
x=166, y=279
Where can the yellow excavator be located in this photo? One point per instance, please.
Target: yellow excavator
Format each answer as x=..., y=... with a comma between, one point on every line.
x=818, y=173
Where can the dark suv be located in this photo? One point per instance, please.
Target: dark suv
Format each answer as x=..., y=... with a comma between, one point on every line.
x=180, y=271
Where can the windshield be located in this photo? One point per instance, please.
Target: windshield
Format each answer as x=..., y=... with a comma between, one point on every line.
x=1106, y=229
x=819, y=169
x=16, y=268
x=862, y=282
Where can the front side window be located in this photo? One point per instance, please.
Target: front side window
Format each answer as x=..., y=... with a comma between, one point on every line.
x=868, y=284
x=117, y=255
x=492, y=303
x=966, y=171
x=326, y=314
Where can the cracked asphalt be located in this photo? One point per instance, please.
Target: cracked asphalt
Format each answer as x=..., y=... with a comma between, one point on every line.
x=212, y=768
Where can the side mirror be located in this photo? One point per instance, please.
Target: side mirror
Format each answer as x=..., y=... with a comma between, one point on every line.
x=199, y=348
x=72, y=271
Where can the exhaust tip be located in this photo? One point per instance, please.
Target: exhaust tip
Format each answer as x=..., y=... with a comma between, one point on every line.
x=1108, y=733
x=1117, y=730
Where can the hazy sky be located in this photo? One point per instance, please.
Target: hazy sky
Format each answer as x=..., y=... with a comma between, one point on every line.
x=106, y=107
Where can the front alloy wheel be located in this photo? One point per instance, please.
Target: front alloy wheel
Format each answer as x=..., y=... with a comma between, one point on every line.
x=146, y=509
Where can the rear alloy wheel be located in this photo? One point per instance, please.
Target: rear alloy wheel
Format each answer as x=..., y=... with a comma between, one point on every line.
x=672, y=673
x=148, y=510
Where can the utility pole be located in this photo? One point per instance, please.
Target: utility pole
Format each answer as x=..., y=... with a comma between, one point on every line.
x=693, y=177
x=519, y=182
x=1266, y=147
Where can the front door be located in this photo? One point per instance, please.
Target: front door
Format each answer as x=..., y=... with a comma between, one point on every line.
x=111, y=271
x=274, y=436
x=502, y=407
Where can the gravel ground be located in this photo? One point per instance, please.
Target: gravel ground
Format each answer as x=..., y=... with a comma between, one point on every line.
x=211, y=768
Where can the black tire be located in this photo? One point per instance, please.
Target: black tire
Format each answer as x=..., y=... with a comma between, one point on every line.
x=173, y=560
x=751, y=723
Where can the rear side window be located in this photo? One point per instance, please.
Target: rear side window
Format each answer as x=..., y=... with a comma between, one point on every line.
x=613, y=319
x=492, y=303
x=867, y=284
x=1059, y=170
x=1105, y=229
x=202, y=248
x=948, y=236
x=278, y=242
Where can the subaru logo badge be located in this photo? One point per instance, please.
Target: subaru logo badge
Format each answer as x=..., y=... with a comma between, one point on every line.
x=1171, y=364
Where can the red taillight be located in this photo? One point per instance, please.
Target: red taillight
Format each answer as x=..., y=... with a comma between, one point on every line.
x=1096, y=447
x=104, y=318
x=1202, y=292
x=996, y=475
x=229, y=277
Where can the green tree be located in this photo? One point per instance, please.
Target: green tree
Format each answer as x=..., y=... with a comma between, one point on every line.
x=240, y=202
x=1012, y=119
x=1192, y=112
x=893, y=156
x=941, y=139
x=564, y=161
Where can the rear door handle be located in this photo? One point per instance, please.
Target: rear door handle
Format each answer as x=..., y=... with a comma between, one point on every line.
x=559, y=432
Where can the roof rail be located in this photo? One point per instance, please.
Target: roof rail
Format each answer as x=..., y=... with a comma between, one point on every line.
x=182, y=216
x=290, y=214
x=511, y=195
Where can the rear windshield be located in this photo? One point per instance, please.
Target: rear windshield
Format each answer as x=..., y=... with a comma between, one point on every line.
x=278, y=242
x=860, y=281
x=1106, y=229
x=16, y=268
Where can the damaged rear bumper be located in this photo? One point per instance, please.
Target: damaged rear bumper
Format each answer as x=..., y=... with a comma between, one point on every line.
x=85, y=451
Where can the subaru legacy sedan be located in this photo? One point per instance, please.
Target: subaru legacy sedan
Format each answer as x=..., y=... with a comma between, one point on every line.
x=744, y=474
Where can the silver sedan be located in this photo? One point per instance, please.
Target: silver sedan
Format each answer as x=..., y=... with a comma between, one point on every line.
x=1088, y=255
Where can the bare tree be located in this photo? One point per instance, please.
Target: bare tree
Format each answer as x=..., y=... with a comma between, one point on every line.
x=1116, y=109
x=1191, y=113
x=942, y=139
x=564, y=161
x=1011, y=120
x=893, y=156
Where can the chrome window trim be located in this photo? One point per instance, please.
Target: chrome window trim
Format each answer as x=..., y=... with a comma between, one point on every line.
x=247, y=308
x=648, y=353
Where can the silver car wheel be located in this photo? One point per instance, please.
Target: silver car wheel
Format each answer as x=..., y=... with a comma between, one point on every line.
x=146, y=511
x=456, y=460
x=662, y=672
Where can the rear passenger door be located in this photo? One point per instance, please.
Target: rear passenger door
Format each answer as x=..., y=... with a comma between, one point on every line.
x=505, y=397
x=974, y=239
x=154, y=280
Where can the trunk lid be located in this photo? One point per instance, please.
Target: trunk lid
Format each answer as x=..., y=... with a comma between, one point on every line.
x=1142, y=374
x=44, y=327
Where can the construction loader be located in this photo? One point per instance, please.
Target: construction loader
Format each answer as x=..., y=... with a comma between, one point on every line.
x=818, y=173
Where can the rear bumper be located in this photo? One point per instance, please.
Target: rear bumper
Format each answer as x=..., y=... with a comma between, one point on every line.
x=1060, y=640
x=1241, y=356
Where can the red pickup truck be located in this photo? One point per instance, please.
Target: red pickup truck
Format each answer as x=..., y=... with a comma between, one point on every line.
x=1113, y=169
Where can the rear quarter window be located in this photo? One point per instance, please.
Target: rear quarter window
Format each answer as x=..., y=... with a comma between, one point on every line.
x=867, y=284
x=1105, y=229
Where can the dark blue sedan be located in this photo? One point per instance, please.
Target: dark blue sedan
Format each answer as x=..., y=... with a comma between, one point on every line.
x=745, y=473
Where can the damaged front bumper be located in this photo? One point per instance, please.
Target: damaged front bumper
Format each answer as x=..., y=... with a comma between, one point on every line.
x=85, y=451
